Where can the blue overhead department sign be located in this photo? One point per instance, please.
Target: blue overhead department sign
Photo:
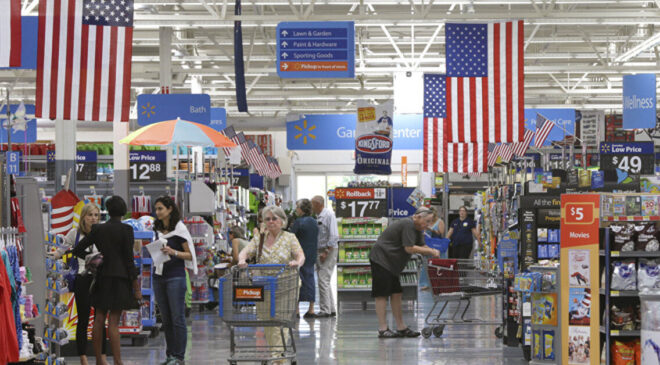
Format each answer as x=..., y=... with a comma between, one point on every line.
x=153, y=108
x=639, y=101
x=561, y=117
x=218, y=118
x=337, y=132
x=316, y=50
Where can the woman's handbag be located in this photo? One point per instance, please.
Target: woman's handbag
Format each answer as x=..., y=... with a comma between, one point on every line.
x=93, y=263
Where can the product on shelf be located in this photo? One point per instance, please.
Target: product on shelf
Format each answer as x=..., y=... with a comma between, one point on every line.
x=354, y=277
x=625, y=318
x=623, y=237
x=648, y=275
x=624, y=275
x=646, y=237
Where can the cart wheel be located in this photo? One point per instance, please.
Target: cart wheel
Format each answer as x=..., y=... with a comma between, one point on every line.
x=499, y=332
x=437, y=331
x=426, y=332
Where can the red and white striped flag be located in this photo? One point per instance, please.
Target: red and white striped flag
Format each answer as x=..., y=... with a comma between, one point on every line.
x=506, y=152
x=520, y=148
x=440, y=156
x=485, y=82
x=493, y=154
x=10, y=33
x=542, y=132
x=84, y=59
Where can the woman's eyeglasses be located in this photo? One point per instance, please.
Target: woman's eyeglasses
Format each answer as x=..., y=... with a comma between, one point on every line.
x=269, y=219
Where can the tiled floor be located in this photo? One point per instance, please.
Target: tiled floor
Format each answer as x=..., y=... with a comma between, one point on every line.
x=349, y=339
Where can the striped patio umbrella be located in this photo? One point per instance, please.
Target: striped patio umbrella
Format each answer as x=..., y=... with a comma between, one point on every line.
x=177, y=133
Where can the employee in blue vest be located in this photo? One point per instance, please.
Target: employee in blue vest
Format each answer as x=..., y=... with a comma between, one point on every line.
x=462, y=233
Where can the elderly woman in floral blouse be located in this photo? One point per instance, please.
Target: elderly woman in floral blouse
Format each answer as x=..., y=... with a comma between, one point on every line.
x=279, y=247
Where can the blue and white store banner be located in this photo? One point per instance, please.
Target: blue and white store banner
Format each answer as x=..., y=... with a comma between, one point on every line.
x=373, y=138
x=337, y=132
x=561, y=117
x=639, y=101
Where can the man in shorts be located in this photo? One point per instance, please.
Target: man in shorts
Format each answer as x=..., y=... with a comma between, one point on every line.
x=388, y=258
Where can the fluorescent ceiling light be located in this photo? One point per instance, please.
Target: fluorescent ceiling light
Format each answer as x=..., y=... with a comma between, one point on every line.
x=639, y=48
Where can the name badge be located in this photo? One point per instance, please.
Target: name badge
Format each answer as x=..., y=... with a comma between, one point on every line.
x=464, y=224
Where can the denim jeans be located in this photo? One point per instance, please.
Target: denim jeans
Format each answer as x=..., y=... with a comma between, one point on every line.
x=170, y=296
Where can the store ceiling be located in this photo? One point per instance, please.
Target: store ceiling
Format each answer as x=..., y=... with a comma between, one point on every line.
x=576, y=50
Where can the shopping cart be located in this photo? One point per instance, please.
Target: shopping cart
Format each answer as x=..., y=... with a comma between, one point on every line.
x=458, y=280
x=260, y=296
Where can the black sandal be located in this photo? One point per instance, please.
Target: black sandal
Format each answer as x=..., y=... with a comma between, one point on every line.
x=408, y=333
x=388, y=334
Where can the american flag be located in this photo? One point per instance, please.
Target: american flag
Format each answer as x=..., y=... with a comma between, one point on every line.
x=485, y=82
x=230, y=133
x=242, y=141
x=506, y=152
x=493, y=153
x=84, y=59
x=542, y=132
x=440, y=156
x=10, y=33
x=520, y=148
x=274, y=167
x=255, y=159
x=263, y=162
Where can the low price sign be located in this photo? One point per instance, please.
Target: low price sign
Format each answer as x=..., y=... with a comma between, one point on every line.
x=148, y=165
x=632, y=157
x=240, y=177
x=86, y=165
x=361, y=202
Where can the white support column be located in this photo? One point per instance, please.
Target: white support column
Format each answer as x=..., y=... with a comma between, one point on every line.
x=65, y=153
x=120, y=159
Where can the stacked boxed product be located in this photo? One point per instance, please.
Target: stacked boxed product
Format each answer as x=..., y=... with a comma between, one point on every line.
x=354, y=277
x=355, y=252
x=548, y=243
x=357, y=228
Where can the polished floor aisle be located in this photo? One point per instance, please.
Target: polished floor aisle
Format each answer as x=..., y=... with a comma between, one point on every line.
x=351, y=338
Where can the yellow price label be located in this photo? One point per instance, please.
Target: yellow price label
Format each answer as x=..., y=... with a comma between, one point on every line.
x=614, y=332
x=615, y=253
x=366, y=114
x=614, y=293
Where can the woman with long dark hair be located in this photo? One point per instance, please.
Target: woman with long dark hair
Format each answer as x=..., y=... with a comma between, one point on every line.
x=115, y=287
x=169, y=279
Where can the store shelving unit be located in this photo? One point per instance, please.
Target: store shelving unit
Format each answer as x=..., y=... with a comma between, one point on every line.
x=539, y=329
x=354, y=274
x=54, y=334
x=146, y=271
x=619, y=296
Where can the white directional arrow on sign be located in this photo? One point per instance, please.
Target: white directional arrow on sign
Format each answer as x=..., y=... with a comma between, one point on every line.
x=285, y=33
x=285, y=66
x=285, y=55
x=284, y=44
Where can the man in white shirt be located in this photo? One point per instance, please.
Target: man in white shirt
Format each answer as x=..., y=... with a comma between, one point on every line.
x=327, y=255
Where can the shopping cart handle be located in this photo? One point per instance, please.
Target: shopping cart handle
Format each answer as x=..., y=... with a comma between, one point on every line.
x=278, y=266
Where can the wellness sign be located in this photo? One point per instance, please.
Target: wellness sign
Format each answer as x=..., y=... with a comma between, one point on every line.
x=639, y=101
x=337, y=132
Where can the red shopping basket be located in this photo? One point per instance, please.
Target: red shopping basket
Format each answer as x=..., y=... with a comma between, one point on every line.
x=443, y=274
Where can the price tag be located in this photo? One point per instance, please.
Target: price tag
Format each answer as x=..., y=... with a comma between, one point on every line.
x=579, y=213
x=361, y=202
x=633, y=158
x=241, y=177
x=614, y=332
x=615, y=253
x=614, y=293
x=148, y=165
x=86, y=165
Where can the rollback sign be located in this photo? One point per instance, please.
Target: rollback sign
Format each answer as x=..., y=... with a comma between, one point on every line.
x=373, y=142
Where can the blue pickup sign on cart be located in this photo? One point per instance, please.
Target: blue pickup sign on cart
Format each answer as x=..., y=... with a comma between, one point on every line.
x=316, y=50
